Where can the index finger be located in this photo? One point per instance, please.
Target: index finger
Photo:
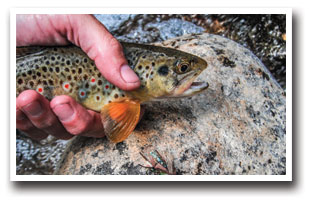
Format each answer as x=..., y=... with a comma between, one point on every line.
x=104, y=49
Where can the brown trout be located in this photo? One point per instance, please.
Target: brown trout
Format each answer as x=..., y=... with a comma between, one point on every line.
x=163, y=72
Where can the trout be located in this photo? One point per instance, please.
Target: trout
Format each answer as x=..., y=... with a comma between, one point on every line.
x=163, y=72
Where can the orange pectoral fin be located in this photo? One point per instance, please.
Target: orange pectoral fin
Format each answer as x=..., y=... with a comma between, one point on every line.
x=120, y=119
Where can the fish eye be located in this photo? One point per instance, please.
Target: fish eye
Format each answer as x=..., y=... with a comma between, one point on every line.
x=183, y=68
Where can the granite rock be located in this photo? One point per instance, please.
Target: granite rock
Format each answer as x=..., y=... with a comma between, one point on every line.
x=237, y=126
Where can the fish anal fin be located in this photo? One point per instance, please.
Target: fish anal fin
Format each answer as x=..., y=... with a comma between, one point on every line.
x=120, y=119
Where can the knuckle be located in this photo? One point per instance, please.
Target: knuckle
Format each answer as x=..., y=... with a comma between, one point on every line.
x=80, y=129
x=114, y=44
x=46, y=124
x=24, y=126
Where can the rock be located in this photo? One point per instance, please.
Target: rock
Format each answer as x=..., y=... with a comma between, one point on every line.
x=237, y=126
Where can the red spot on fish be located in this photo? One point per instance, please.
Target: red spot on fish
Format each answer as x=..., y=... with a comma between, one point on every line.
x=67, y=86
x=40, y=90
x=82, y=93
x=93, y=80
x=106, y=86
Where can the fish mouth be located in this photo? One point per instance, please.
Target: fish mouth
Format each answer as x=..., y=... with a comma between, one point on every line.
x=187, y=87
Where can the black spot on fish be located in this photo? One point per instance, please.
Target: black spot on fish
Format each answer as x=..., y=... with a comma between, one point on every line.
x=80, y=70
x=31, y=83
x=85, y=60
x=85, y=77
x=86, y=85
x=147, y=67
x=67, y=69
x=44, y=68
x=73, y=71
x=147, y=75
x=51, y=70
x=193, y=60
x=163, y=70
x=52, y=58
x=57, y=69
x=140, y=67
x=77, y=61
x=75, y=78
x=29, y=72
x=34, y=77
x=69, y=77
x=99, y=82
x=58, y=57
x=44, y=82
x=116, y=96
x=68, y=62
x=50, y=82
x=20, y=81
x=38, y=74
x=153, y=64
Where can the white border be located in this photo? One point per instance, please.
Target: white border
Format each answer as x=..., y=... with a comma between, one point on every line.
x=154, y=10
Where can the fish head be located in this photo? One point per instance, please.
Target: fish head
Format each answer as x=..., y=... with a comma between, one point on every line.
x=175, y=75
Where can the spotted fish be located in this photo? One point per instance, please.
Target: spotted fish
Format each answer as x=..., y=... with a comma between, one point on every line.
x=163, y=72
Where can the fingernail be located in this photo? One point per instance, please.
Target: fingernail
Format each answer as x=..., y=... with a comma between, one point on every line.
x=33, y=109
x=64, y=111
x=128, y=74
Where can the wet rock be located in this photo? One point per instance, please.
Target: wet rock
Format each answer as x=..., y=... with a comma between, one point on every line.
x=34, y=157
x=237, y=126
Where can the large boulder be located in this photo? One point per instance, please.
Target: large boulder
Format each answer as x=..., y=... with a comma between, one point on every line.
x=237, y=126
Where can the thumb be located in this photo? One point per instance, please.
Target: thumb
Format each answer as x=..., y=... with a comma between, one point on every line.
x=104, y=49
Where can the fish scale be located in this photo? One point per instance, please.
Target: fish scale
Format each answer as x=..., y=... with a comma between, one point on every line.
x=163, y=73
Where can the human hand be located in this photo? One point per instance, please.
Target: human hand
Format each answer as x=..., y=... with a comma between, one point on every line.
x=63, y=117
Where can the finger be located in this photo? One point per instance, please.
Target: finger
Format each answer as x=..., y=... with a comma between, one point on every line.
x=38, y=111
x=104, y=49
x=25, y=125
x=76, y=119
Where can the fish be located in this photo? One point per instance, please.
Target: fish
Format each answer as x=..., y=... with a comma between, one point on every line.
x=66, y=70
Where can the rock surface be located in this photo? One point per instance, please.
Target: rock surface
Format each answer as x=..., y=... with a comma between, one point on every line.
x=237, y=126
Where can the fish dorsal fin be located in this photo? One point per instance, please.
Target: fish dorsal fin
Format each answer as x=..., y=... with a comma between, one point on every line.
x=120, y=119
x=31, y=50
